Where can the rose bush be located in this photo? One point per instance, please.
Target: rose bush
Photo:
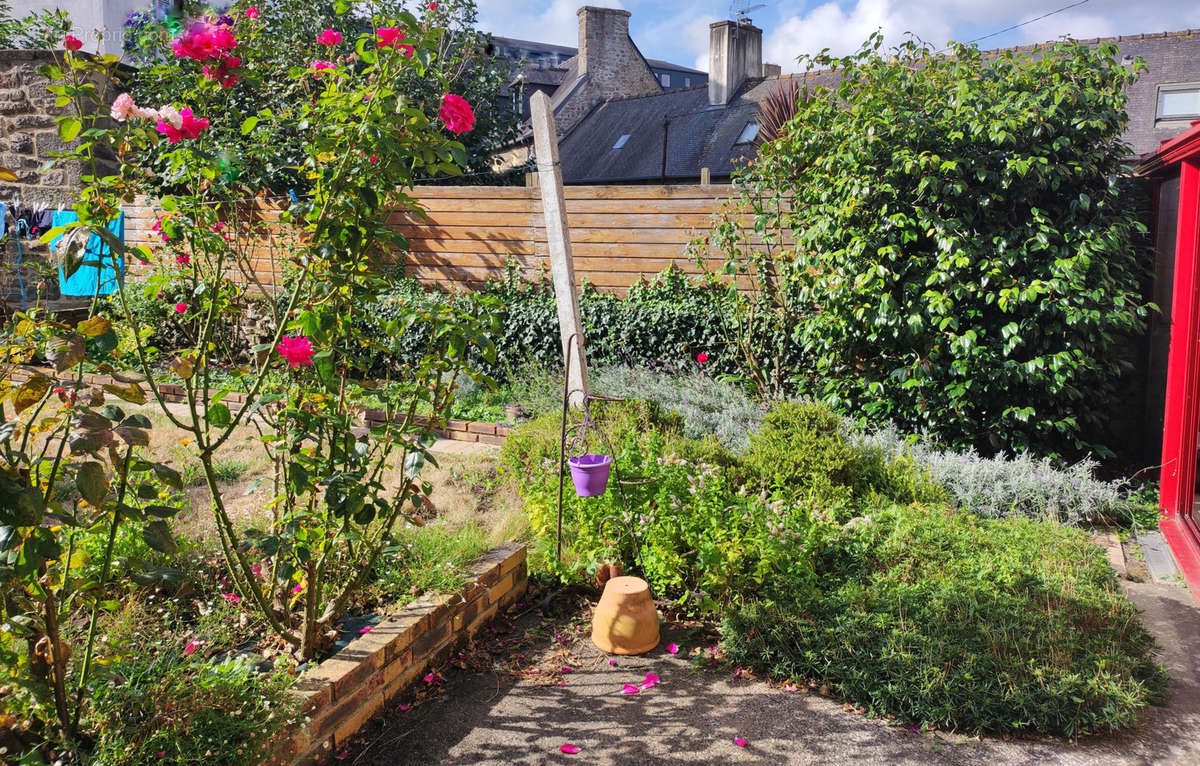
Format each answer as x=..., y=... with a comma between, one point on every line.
x=339, y=489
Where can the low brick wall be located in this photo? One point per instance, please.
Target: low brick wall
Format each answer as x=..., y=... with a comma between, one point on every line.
x=345, y=691
x=457, y=430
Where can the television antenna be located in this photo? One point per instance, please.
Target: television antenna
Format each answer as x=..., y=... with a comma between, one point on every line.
x=741, y=9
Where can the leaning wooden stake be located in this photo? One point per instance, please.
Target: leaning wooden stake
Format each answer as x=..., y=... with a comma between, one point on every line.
x=562, y=267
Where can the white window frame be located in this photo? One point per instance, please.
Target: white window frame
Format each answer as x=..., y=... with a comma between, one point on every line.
x=1176, y=87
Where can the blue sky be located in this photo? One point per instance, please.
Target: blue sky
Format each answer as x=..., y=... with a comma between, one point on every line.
x=678, y=31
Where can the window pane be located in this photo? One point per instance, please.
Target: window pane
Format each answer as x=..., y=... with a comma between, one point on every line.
x=1179, y=103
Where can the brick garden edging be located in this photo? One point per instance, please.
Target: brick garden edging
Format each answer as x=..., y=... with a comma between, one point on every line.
x=345, y=691
x=457, y=430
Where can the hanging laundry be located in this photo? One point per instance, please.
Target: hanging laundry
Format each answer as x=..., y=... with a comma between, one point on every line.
x=96, y=275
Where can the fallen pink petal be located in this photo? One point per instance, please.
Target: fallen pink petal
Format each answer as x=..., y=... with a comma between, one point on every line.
x=566, y=669
x=672, y=648
x=367, y=629
x=740, y=742
x=651, y=681
x=404, y=707
x=569, y=749
x=191, y=647
x=613, y=663
x=629, y=689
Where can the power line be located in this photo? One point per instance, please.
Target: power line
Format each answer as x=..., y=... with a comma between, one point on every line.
x=1026, y=23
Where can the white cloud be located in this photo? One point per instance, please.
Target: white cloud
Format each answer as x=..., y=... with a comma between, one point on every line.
x=843, y=30
x=842, y=26
x=554, y=22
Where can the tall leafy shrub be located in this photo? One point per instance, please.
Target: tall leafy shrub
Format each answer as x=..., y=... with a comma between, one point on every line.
x=950, y=242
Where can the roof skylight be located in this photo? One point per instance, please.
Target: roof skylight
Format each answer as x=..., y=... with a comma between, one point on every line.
x=749, y=133
x=621, y=141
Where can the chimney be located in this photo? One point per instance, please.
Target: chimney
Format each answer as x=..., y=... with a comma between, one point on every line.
x=772, y=70
x=734, y=55
x=606, y=54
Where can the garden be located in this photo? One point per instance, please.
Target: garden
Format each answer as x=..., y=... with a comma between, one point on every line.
x=874, y=472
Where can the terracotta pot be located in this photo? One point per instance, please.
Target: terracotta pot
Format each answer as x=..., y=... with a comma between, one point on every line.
x=625, y=620
x=606, y=572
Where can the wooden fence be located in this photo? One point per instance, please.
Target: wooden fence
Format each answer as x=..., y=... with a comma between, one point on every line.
x=470, y=233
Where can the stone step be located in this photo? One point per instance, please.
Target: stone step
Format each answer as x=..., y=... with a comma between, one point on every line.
x=1159, y=559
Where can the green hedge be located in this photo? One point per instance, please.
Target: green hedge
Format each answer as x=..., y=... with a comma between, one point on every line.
x=662, y=323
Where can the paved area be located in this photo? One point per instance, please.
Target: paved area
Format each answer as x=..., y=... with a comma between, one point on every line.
x=491, y=711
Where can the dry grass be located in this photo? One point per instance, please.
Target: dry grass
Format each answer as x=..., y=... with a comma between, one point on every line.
x=466, y=486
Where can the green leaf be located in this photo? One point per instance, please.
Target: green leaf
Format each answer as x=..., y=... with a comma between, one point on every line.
x=69, y=128
x=158, y=536
x=92, y=481
x=168, y=476
x=218, y=415
x=248, y=125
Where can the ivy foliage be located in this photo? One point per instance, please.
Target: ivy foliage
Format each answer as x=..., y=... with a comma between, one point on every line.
x=952, y=242
x=661, y=323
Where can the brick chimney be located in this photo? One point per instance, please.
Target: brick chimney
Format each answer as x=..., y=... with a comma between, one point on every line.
x=734, y=56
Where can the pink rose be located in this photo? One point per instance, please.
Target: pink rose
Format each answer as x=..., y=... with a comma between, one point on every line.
x=702, y=357
x=252, y=12
x=296, y=350
x=224, y=72
x=456, y=114
x=123, y=108
x=432, y=6
x=189, y=126
x=329, y=37
x=72, y=43
x=321, y=66
x=180, y=307
x=390, y=37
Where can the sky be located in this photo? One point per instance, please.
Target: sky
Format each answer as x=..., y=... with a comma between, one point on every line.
x=677, y=30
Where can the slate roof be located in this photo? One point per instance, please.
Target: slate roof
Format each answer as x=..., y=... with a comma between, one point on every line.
x=698, y=136
x=702, y=136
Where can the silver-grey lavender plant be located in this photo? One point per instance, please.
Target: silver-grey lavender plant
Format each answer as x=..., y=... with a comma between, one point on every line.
x=1020, y=485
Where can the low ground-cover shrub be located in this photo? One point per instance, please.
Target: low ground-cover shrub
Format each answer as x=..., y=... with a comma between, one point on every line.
x=949, y=620
x=705, y=527
x=832, y=558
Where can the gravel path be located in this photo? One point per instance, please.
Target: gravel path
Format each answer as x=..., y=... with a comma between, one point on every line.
x=510, y=703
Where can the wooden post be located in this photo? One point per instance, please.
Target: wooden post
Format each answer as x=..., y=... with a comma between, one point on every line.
x=562, y=266
x=704, y=176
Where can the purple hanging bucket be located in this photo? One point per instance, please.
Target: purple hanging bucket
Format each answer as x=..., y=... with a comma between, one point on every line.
x=590, y=474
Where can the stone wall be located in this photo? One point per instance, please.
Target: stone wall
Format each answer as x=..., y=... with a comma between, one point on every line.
x=28, y=136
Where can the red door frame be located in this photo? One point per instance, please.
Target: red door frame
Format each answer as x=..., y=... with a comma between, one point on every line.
x=1181, y=421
